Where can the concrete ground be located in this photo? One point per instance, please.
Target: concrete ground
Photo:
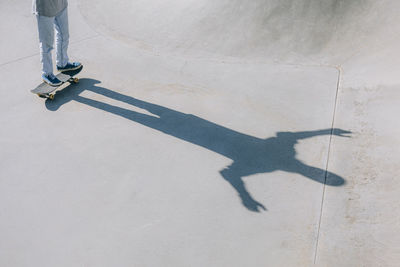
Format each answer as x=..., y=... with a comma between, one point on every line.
x=209, y=133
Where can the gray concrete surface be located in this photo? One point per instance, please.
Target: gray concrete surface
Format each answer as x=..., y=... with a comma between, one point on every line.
x=211, y=133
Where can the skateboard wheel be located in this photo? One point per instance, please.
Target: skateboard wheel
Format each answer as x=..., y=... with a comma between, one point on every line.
x=41, y=95
x=76, y=80
x=51, y=97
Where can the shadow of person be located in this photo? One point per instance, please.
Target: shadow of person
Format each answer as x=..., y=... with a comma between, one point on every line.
x=250, y=155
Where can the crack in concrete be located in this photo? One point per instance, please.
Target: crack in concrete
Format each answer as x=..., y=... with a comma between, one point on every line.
x=327, y=162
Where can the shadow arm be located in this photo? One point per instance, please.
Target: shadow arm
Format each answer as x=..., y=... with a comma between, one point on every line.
x=309, y=134
x=237, y=183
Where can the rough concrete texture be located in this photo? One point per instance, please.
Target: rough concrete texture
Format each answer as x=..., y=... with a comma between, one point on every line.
x=204, y=133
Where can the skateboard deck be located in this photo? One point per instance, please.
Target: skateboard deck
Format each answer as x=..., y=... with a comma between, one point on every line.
x=45, y=90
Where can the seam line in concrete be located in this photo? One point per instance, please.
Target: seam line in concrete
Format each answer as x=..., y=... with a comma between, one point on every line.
x=327, y=163
x=18, y=59
x=36, y=54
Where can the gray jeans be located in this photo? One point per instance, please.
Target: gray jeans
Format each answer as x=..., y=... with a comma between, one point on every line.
x=46, y=27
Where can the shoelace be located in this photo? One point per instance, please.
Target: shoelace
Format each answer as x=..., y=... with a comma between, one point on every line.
x=51, y=76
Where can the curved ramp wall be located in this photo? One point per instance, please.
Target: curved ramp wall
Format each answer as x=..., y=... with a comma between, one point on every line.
x=322, y=32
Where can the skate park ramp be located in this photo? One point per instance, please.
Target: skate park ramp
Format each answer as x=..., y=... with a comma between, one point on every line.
x=204, y=133
x=330, y=32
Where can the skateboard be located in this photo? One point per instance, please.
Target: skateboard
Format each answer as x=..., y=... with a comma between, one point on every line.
x=45, y=90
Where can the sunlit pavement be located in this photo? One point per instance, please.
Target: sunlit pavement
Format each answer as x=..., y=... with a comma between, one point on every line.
x=223, y=133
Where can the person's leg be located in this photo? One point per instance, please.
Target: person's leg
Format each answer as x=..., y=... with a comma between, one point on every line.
x=62, y=40
x=46, y=40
